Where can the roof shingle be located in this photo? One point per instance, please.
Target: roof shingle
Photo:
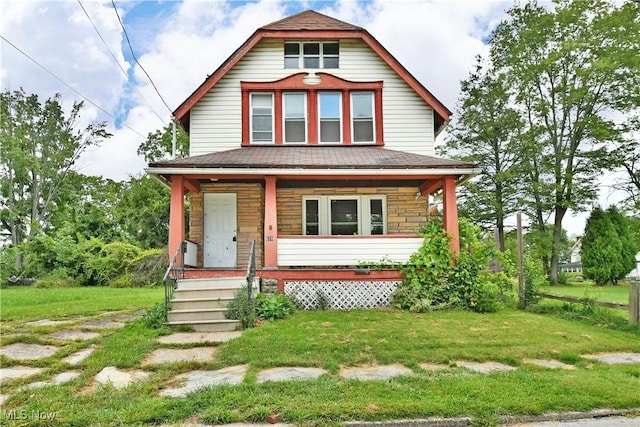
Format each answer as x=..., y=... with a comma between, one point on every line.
x=313, y=157
x=309, y=20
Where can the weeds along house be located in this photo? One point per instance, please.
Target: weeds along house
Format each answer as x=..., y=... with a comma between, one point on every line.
x=314, y=141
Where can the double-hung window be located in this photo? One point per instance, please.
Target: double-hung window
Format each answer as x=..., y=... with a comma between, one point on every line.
x=311, y=54
x=344, y=215
x=362, y=116
x=295, y=117
x=330, y=116
x=262, y=117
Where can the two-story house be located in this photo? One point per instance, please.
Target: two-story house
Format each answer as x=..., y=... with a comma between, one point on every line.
x=314, y=141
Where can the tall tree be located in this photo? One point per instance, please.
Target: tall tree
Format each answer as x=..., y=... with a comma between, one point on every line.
x=159, y=144
x=608, y=247
x=40, y=145
x=568, y=67
x=487, y=132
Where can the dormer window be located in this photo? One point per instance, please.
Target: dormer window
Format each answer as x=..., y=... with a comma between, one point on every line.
x=312, y=55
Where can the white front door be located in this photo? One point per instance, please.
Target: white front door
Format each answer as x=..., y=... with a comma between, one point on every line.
x=220, y=237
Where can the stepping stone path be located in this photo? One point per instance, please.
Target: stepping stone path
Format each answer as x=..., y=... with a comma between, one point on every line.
x=7, y=374
x=551, y=364
x=78, y=357
x=21, y=351
x=195, y=380
x=119, y=379
x=433, y=366
x=486, y=367
x=101, y=324
x=48, y=322
x=288, y=374
x=615, y=358
x=61, y=378
x=375, y=372
x=165, y=355
x=71, y=335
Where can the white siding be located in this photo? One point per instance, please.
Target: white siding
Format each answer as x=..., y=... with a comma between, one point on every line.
x=216, y=119
x=342, y=251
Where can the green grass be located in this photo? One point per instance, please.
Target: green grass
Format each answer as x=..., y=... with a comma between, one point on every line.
x=617, y=293
x=25, y=304
x=331, y=340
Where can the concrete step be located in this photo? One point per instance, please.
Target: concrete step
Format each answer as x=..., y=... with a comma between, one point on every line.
x=210, y=325
x=197, y=315
x=212, y=283
x=202, y=294
x=200, y=304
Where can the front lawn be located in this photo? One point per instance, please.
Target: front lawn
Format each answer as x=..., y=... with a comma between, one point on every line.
x=332, y=340
x=617, y=293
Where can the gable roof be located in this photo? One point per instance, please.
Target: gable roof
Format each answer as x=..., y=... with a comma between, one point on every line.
x=309, y=24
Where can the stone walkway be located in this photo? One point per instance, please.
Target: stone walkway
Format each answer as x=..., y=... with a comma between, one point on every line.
x=203, y=351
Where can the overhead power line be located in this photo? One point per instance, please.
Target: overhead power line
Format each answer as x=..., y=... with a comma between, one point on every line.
x=116, y=59
x=136, y=59
x=69, y=86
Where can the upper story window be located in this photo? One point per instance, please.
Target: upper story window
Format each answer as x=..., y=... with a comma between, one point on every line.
x=362, y=114
x=311, y=54
x=262, y=117
x=331, y=111
x=330, y=116
x=295, y=117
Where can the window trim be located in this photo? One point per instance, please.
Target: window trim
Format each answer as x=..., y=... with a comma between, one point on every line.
x=328, y=83
x=305, y=117
x=364, y=213
x=341, y=127
x=373, y=117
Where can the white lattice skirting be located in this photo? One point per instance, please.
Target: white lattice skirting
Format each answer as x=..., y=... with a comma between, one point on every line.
x=340, y=294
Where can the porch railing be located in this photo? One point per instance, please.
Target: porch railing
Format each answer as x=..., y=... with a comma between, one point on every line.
x=174, y=272
x=251, y=271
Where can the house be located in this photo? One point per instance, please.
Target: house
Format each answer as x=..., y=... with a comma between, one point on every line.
x=575, y=261
x=312, y=140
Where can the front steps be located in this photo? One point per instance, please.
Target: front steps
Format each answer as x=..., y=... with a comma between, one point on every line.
x=201, y=303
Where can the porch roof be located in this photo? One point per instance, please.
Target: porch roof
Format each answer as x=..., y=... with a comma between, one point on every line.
x=314, y=157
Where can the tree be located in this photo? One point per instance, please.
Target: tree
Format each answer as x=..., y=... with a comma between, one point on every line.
x=143, y=212
x=628, y=245
x=568, y=68
x=40, y=145
x=487, y=132
x=608, y=246
x=159, y=144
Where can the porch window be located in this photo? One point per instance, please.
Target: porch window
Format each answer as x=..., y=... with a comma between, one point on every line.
x=262, y=117
x=362, y=116
x=295, y=117
x=344, y=215
x=311, y=54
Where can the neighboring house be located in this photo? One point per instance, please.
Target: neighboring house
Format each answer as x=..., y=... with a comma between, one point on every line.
x=312, y=140
x=575, y=262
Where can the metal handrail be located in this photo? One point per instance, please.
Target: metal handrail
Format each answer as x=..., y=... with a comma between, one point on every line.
x=169, y=290
x=251, y=270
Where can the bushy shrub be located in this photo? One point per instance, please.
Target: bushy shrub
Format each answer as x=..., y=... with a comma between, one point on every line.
x=242, y=309
x=272, y=307
x=145, y=270
x=155, y=317
x=435, y=278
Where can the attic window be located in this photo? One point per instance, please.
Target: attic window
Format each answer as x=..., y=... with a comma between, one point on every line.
x=314, y=55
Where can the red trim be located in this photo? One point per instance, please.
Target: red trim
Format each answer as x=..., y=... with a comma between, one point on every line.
x=377, y=99
x=270, y=223
x=176, y=216
x=350, y=237
x=378, y=175
x=431, y=185
x=312, y=117
x=328, y=275
x=277, y=118
x=346, y=116
x=246, y=117
x=450, y=213
x=329, y=82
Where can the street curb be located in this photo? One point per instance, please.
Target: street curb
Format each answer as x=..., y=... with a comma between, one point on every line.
x=506, y=420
